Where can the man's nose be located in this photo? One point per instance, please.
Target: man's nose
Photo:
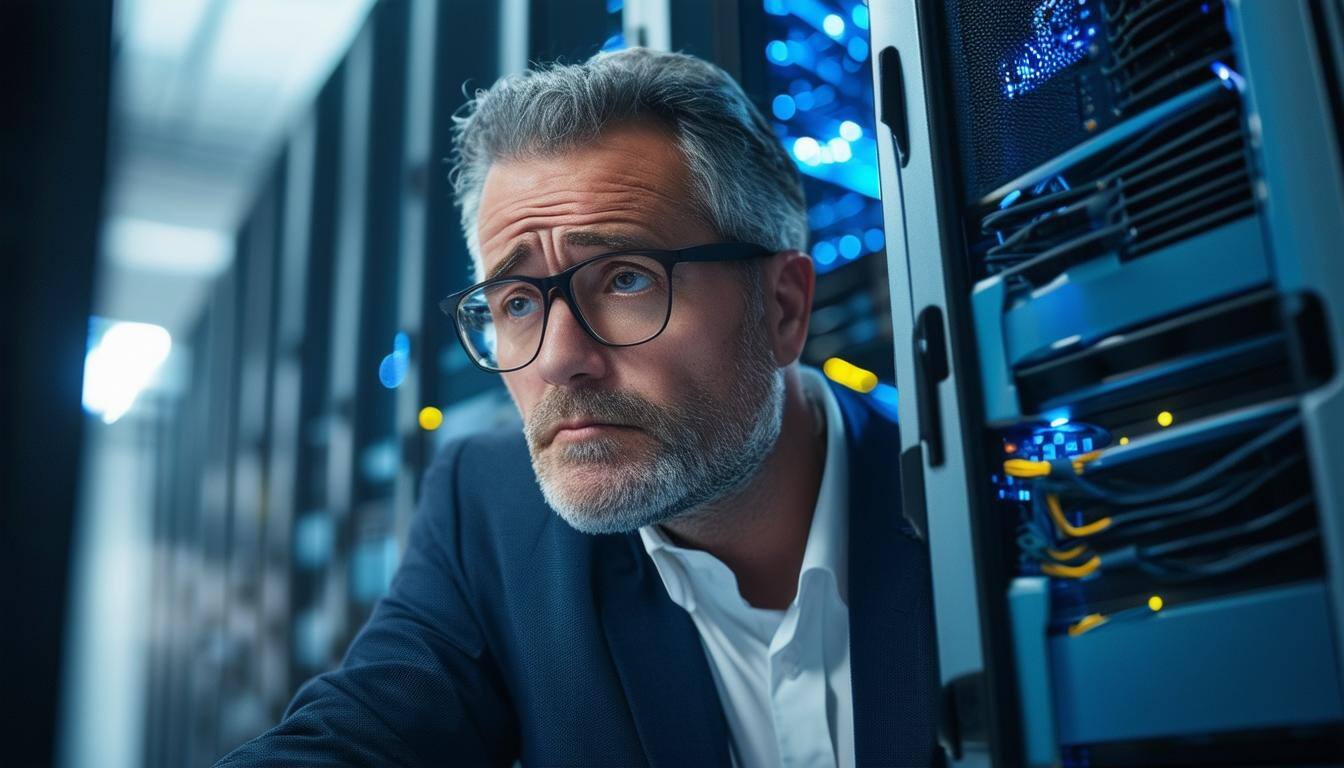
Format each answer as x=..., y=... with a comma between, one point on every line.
x=568, y=355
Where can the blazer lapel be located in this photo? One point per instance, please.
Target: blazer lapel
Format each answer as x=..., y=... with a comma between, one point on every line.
x=892, y=653
x=659, y=659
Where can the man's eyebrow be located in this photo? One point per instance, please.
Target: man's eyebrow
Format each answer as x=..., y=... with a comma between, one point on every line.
x=613, y=241
x=510, y=262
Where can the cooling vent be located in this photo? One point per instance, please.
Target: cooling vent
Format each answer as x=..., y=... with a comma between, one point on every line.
x=1180, y=178
x=1159, y=48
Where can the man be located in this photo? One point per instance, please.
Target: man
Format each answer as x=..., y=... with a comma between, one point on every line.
x=705, y=563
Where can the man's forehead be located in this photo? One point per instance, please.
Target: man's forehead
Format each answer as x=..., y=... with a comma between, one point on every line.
x=624, y=191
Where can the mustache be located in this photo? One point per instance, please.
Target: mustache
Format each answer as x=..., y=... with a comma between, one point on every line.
x=606, y=406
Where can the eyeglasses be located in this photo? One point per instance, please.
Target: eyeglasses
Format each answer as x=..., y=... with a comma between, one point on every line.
x=620, y=299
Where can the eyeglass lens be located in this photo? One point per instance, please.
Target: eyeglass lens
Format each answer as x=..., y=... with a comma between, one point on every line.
x=624, y=299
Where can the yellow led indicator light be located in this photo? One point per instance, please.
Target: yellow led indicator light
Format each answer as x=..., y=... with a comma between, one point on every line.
x=1155, y=603
x=849, y=375
x=1124, y=441
x=431, y=418
x=1164, y=419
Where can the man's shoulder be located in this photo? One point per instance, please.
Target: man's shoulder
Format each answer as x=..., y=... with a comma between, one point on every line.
x=867, y=423
x=482, y=484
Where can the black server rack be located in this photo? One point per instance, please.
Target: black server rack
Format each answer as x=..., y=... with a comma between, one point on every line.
x=1115, y=235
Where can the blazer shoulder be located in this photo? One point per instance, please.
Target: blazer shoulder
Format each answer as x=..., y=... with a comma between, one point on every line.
x=482, y=488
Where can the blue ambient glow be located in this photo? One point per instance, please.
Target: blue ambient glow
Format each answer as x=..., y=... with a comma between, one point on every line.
x=1057, y=42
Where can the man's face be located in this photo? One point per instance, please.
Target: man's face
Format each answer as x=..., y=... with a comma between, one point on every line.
x=625, y=437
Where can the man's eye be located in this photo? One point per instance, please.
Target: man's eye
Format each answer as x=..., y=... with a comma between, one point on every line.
x=520, y=306
x=630, y=282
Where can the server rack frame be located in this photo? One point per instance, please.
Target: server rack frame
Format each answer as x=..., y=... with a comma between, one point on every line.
x=936, y=361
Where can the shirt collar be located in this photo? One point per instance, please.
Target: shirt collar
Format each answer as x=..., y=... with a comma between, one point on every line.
x=826, y=550
x=826, y=540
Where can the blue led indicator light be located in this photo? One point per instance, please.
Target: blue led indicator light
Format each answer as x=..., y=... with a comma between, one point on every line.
x=875, y=239
x=850, y=247
x=860, y=16
x=824, y=252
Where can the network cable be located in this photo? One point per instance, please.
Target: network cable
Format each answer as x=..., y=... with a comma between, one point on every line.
x=1063, y=474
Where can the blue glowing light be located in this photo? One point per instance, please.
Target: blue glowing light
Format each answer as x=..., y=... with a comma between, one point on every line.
x=821, y=216
x=806, y=149
x=850, y=247
x=392, y=370
x=1010, y=198
x=858, y=48
x=615, y=6
x=875, y=239
x=840, y=150
x=1057, y=42
x=1059, y=422
x=816, y=52
x=887, y=399
x=860, y=16
x=824, y=252
x=614, y=43
x=849, y=205
x=831, y=71
x=1228, y=75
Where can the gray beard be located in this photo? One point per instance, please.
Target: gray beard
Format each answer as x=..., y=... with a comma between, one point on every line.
x=704, y=449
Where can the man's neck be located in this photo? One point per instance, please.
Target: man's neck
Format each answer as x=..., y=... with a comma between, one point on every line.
x=761, y=532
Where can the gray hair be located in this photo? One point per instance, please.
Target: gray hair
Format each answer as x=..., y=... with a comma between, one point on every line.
x=743, y=183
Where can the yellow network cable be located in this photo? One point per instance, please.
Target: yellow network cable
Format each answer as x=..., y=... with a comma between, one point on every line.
x=1029, y=469
x=1068, y=554
x=1026, y=468
x=1068, y=529
x=1072, y=571
x=1088, y=622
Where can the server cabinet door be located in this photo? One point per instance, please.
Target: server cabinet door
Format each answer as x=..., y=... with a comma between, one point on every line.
x=933, y=459
x=1298, y=50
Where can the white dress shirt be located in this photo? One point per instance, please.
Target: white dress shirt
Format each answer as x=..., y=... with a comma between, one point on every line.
x=782, y=676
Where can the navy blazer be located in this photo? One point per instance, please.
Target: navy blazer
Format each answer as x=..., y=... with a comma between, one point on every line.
x=506, y=635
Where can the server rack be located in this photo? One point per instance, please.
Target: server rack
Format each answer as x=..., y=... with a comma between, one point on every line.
x=1114, y=239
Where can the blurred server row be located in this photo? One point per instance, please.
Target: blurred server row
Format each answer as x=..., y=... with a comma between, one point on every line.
x=323, y=376
x=1119, y=273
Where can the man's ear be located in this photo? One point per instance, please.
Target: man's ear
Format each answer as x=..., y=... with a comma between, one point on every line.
x=789, y=283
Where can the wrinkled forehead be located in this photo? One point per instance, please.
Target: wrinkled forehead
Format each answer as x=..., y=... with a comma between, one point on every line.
x=628, y=188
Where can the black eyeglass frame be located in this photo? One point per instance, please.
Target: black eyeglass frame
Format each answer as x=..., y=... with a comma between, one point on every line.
x=560, y=283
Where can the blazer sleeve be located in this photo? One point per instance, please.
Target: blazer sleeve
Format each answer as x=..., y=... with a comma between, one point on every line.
x=419, y=685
